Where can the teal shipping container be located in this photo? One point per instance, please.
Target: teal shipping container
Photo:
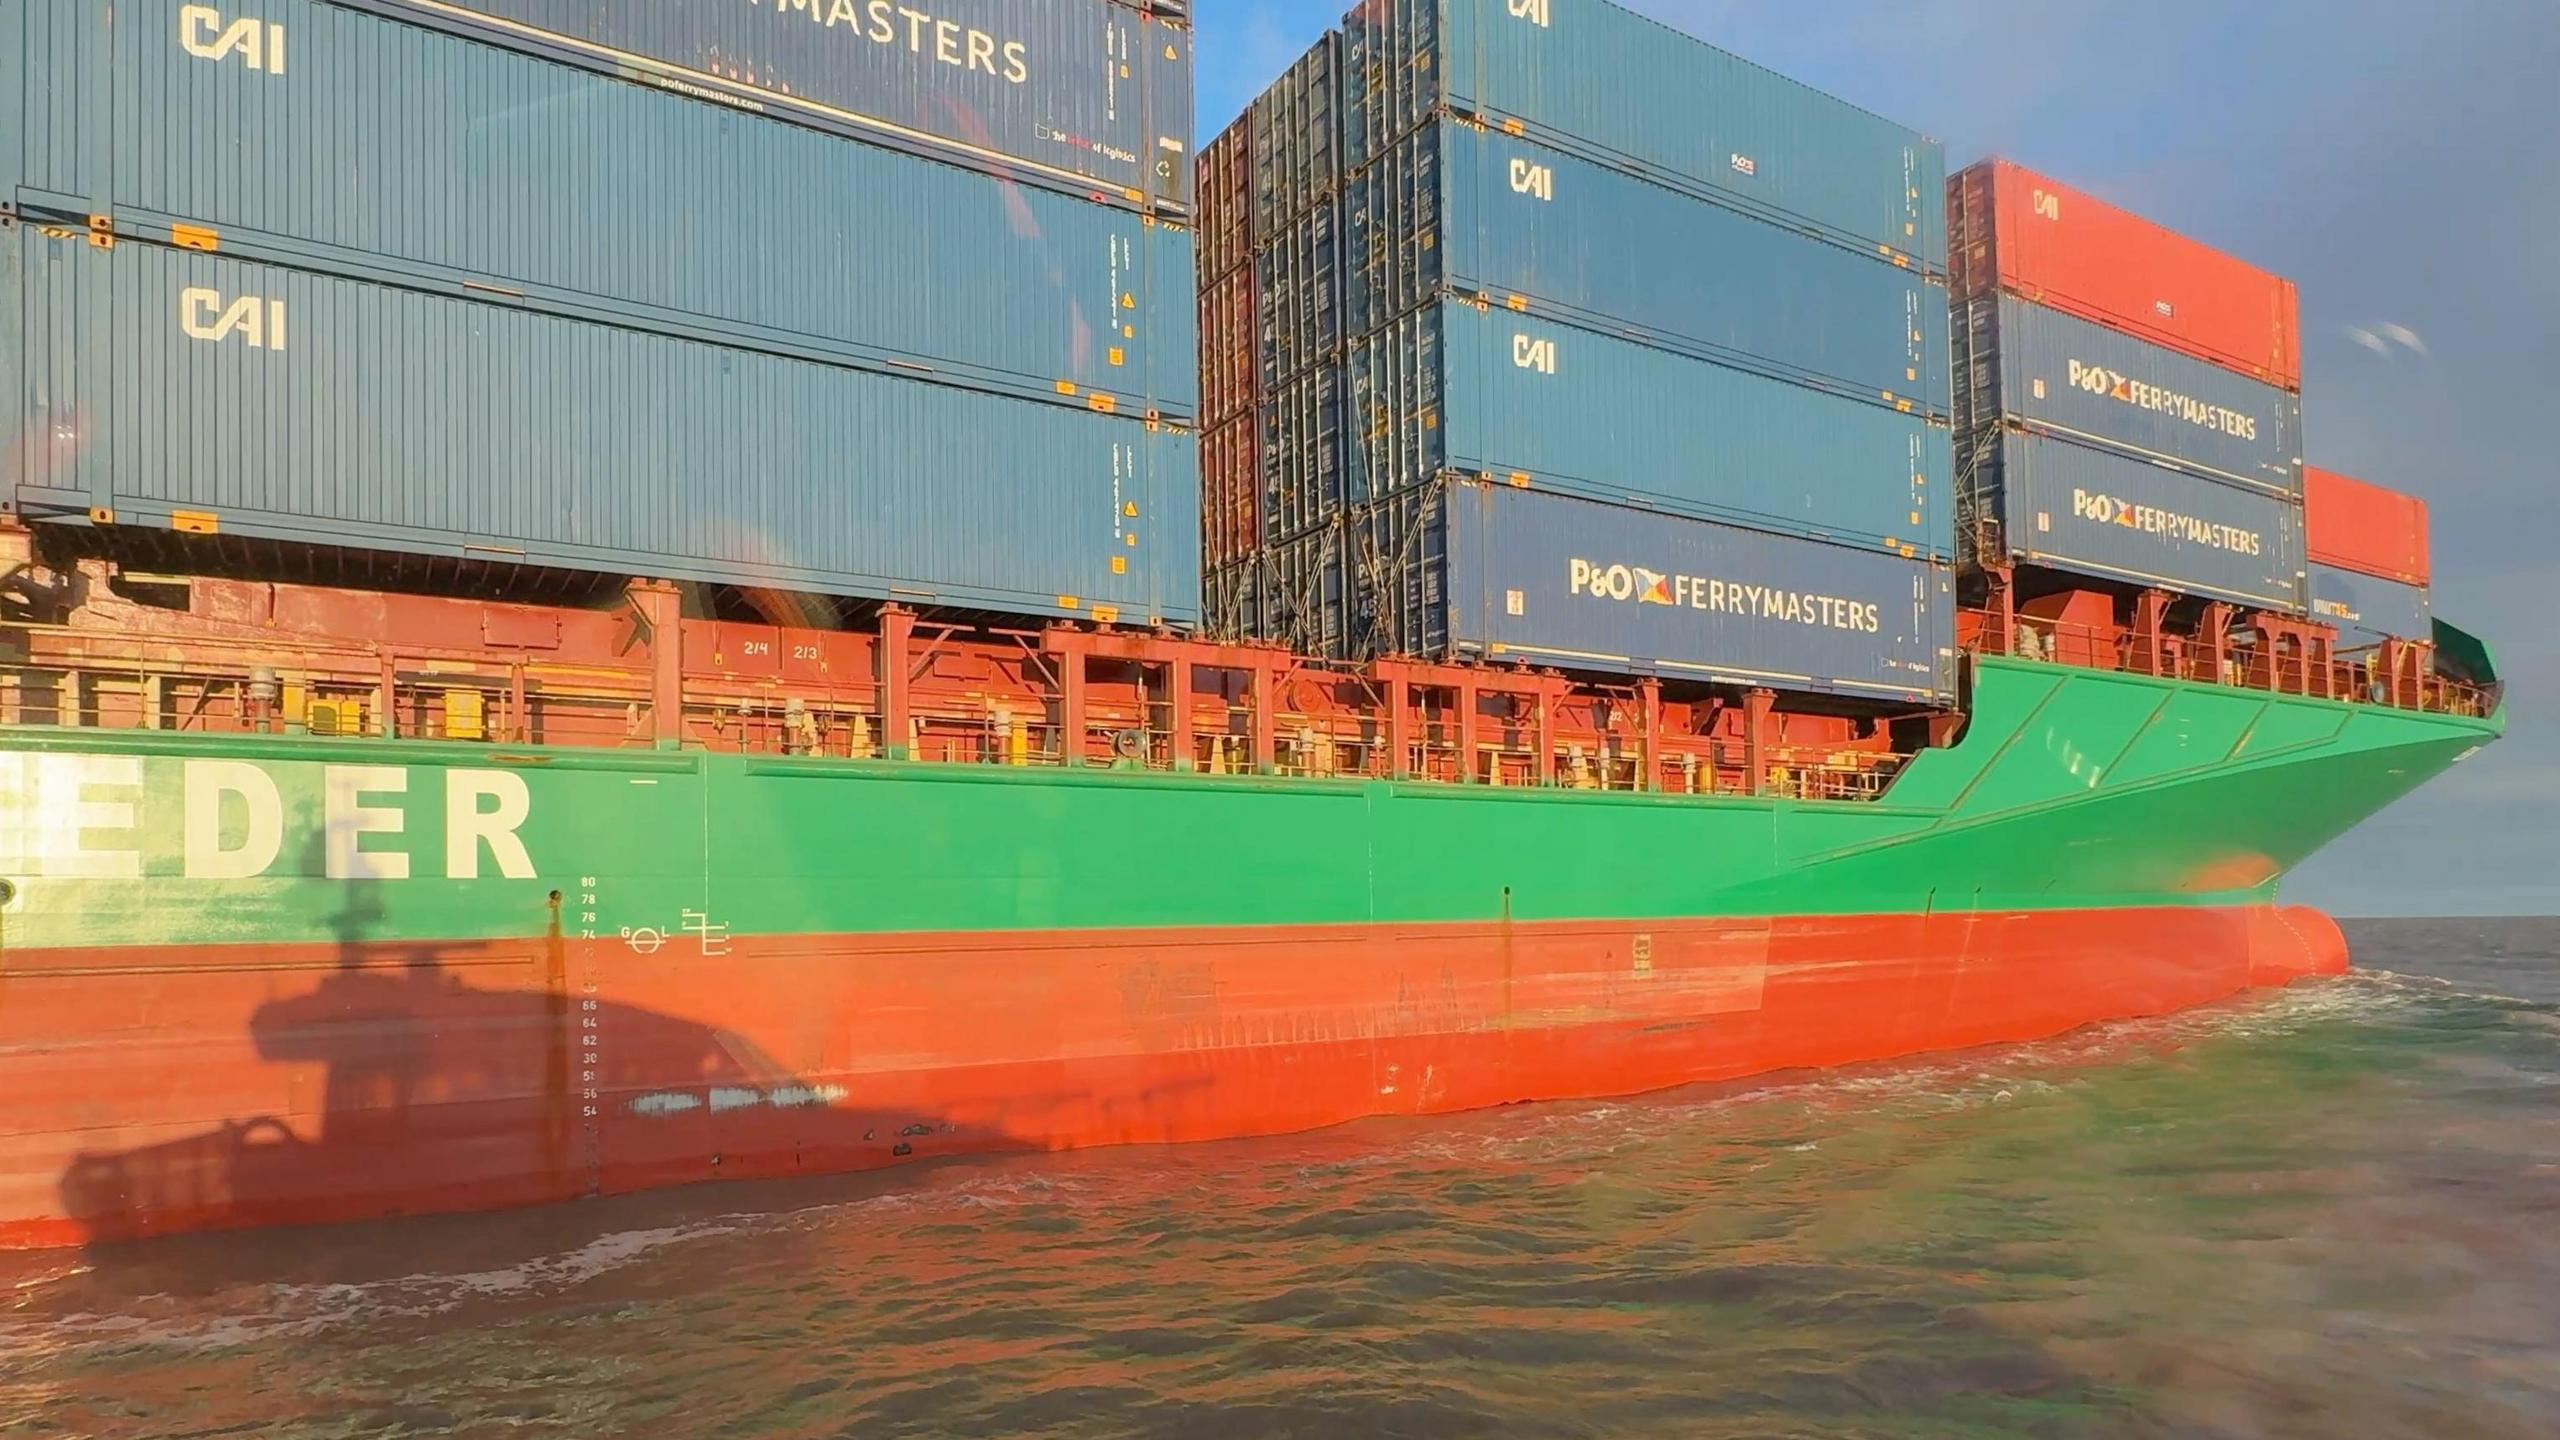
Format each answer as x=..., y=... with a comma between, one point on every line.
x=2096, y=511
x=1533, y=228
x=1490, y=393
x=406, y=154
x=2368, y=609
x=1616, y=87
x=163, y=388
x=1467, y=569
x=1091, y=96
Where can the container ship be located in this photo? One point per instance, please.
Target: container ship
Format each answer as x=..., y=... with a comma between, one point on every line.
x=608, y=597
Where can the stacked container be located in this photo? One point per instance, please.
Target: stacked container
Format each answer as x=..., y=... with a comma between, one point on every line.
x=2370, y=560
x=2128, y=401
x=1595, y=300
x=700, y=290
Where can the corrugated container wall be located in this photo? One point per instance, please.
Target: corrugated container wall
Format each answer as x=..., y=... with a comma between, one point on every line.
x=405, y=154
x=2368, y=608
x=2103, y=512
x=2028, y=365
x=1495, y=394
x=2355, y=525
x=1226, y=203
x=1075, y=94
x=1451, y=208
x=2018, y=232
x=1574, y=584
x=1296, y=129
x=308, y=408
x=1613, y=86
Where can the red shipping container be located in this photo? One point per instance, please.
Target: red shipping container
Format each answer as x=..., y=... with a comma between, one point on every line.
x=1225, y=190
x=2011, y=229
x=1230, y=362
x=2362, y=527
x=1231, y=491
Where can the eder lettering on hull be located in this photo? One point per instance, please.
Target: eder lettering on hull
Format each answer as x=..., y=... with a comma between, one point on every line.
x=110, y=817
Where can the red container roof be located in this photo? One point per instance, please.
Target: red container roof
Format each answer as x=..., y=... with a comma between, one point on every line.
x=2014, y=230
x=2359, y=526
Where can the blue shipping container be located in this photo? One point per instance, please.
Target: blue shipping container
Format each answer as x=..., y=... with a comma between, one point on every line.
x=1534, y=228
x=2089, y=510
x=1599, y=587
x=1072, y=93
x=1609, y=84
x=390, y=149
x=2367, y=608
x=302, y=407
x=2065, y=376
x=1495, y=394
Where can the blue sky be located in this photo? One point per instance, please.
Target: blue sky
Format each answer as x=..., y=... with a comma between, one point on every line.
x=2402, y=162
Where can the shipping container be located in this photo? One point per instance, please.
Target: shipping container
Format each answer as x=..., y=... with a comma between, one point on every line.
x=2089, y=510
x=1296, y=128
x=2355, y=525
x=1086, y=95
x=2018, y=232
x=204, y=393
x=1225, y=190
x=1300, y=270
x=1613, y=86
x=1490, y=393
x=2368, y=609
x=1231, y=491
x=1532, y=228
x=2054, y=372
x=1231, y=600
x=1306, y=597
x=1230, y=348
x=406, y=154
x=1305, y=453
x=1585, y=586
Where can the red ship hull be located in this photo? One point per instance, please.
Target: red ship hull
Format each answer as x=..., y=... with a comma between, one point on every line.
x=171, y=1089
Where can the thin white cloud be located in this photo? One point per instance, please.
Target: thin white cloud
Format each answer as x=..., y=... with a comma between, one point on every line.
x=2403, y=335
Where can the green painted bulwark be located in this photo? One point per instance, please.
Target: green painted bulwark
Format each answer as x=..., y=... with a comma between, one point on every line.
x=2069, y=789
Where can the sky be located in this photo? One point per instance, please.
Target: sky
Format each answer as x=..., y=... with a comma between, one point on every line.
x=2401, y=162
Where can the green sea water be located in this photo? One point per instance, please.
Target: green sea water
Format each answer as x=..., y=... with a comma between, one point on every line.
x=2332, y=1211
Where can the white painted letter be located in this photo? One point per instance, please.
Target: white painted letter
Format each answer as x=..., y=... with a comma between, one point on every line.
x=207, y=782
x=47, y=813
x=349, y=820
x=467, y=827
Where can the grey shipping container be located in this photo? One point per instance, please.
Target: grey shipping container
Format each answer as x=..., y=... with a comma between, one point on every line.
x=1073, y=93
x=167, y=387
x=408, y=154
x=1532, y=228
x=1614, y=86
x=1296, y=130
x=1306, y=454
x=2065, y=376
x=1300, y=272
x=2100, y=512
x=2367, y=608
x=1491, y=393
x=1587, y=586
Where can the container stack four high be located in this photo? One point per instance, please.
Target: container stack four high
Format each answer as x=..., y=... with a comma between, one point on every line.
x=1583, y=343
x=2128, y=404
x=860, y=300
